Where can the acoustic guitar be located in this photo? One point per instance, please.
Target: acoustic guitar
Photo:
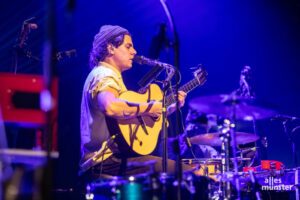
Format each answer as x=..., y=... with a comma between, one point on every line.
x=141, y=133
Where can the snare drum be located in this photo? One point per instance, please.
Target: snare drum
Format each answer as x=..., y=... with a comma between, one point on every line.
x=205, y=167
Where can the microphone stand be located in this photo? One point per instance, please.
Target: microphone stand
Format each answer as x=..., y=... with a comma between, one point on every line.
x=166, y=85
x=18, y=48
x=176, y=64
x=46, y=96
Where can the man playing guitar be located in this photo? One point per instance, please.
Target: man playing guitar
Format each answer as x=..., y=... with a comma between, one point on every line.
x=102, y=108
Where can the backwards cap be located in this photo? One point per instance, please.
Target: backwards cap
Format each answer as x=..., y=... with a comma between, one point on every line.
x=107, y=33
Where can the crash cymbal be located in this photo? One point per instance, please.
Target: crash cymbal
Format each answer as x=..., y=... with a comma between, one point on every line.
x=223, y=105
x=214, y=139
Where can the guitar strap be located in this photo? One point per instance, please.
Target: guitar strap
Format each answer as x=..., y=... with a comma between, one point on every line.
x=149, y=108
x=142, y=122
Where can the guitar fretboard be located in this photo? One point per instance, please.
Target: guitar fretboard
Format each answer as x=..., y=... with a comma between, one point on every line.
x=189, y=86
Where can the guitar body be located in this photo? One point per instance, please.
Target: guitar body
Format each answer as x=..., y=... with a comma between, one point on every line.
x=141, y=133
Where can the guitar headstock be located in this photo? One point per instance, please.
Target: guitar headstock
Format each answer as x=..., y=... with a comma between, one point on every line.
x=200, y=73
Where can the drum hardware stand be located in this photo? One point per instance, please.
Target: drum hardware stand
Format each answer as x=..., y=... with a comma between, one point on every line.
x=289, y=136
x=257, y=154
x=225, y=160
x=245, y=90
x=234, y=145
x=163, y=180
x=254, y=185
x=228, y=137
x=89, y=195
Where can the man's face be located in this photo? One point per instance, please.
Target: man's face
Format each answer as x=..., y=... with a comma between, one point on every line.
x=124, y=54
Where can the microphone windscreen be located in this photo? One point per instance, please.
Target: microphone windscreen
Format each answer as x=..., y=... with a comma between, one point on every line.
x=138, y=59
x=33, y=26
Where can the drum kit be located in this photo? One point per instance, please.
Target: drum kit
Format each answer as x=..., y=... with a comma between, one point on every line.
x=230, y=108
x=148, y=186
x=217, y=177
x=225, y=169
x=222, y=178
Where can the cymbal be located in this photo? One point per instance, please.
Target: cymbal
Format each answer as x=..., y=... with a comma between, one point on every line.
x=224, y=105
x=214, y=139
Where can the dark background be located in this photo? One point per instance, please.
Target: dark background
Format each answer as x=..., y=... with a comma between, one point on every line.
x=224, y=36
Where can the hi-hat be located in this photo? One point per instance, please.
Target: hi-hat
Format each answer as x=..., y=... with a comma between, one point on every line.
x=214, y=139
x=228, y=105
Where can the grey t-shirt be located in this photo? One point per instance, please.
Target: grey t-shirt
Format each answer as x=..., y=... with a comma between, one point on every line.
x=93, y=127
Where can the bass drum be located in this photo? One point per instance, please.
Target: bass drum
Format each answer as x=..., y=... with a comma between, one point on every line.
x=149, y=187
x=165, y=186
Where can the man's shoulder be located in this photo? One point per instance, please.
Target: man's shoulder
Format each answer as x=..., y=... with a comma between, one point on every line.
x=102, y=76
x=103, y=71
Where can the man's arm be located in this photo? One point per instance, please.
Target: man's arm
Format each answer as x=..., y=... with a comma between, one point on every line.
x=112, y=106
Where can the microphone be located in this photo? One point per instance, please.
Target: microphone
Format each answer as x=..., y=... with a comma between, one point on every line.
x=284, y=118
x=32, y=26
x=248, y=150
x=245, y=87
x=150, y=77
x=147, y=61
x=25, y=30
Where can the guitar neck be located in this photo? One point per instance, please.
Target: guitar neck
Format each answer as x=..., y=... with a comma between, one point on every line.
x=189, y=86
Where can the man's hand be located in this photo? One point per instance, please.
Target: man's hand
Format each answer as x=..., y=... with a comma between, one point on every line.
x=181, y=100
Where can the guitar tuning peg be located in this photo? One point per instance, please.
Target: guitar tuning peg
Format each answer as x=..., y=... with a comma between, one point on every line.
x=199, y=66
x=198, y=69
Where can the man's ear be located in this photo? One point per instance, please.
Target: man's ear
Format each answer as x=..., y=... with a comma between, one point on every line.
x=110, y=49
